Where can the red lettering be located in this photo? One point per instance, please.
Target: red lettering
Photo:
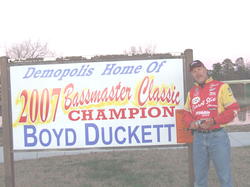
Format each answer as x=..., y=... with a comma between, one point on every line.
x=74, y=118
x=68, y=91
x=149, y=93
x=122, y=113
x=133, y=112
x=167, y=112
x=156, y=109
x=116, y=93
x=87, y=113
x=101, y=115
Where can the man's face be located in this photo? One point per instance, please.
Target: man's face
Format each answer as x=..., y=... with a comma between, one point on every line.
x=199, y=74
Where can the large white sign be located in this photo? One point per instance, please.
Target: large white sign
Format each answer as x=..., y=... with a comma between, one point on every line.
x=104, y=104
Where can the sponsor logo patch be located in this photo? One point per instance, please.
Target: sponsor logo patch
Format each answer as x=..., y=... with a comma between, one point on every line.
x=212, y=89
x=195, y=100
x=212, y=108
x=203, y=113
x=212, y=93
x=213, y=85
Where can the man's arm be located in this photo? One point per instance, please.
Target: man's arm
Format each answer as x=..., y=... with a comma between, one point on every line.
x=188, y=119
x=228, y=115
x=230, y=106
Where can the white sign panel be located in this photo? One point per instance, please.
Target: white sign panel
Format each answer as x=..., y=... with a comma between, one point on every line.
x=104, y=104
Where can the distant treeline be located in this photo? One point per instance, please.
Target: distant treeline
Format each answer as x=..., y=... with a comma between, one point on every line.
x=227, y=70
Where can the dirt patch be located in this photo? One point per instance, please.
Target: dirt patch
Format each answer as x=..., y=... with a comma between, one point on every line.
x=154, y=167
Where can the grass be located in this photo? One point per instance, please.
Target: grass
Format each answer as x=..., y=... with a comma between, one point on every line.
x=149, y=167
x=124, y=168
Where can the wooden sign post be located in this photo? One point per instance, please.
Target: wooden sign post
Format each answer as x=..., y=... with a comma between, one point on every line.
x=7, y=124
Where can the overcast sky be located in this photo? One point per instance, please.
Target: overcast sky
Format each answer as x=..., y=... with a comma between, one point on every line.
x=214, y=29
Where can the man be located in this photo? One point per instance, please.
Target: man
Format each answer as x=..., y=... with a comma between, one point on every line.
x=210, y=105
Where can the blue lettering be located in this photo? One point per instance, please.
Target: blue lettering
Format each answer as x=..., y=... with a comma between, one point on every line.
x=29, y=73
x=159, y=67
x=87, y=138
x=47, y=73
x=90, y=72
x=117, y=70
x=85, y=71
x=29, y=135
x=46, y=131
x=67, y=131
x=158, y=131
x=58, y=135
x=152, y=67
x=145, y=134
x=32, y=137
x=138, y=69
x=133, y=134
x=64, y=74
x=116, y=135
x=169, y=126
x=113, y=69
x=37, y=73
x=108, y=69
x=110, y=135
x=73, y=72
x=57, y=73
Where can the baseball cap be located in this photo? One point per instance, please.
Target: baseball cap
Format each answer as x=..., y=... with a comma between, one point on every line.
x=195, y=64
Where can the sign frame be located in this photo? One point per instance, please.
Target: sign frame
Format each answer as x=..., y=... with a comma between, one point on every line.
x=187, y=57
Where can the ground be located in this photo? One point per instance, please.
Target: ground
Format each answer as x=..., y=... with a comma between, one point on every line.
x=148, y=167
x=135, y=168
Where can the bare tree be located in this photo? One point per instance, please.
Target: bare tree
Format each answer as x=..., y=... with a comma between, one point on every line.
x=150, y=49
x=29, y=49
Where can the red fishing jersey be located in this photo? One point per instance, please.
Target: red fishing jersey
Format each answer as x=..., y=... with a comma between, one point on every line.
x=213, y=100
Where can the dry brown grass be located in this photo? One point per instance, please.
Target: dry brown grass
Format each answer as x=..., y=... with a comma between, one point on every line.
x=154, y=167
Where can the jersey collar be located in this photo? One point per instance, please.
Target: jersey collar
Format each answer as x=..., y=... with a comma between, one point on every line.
x=210, y=79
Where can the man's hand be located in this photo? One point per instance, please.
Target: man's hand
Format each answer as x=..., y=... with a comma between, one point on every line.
x=204, y=123
x=207, y=123
x=195, y=124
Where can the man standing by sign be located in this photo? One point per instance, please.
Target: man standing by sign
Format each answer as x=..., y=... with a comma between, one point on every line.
x=209, y=106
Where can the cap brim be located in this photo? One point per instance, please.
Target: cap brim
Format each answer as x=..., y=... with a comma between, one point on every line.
x=196, y=66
